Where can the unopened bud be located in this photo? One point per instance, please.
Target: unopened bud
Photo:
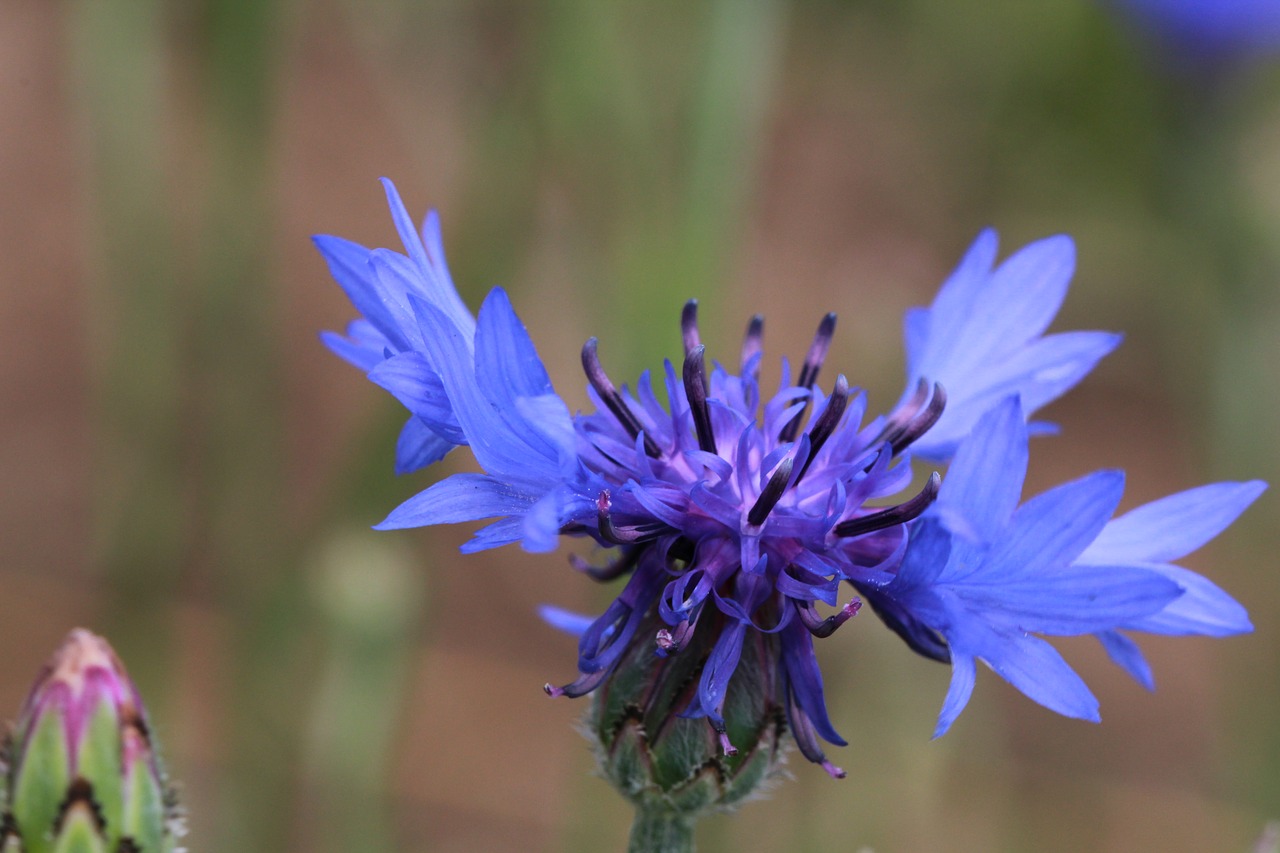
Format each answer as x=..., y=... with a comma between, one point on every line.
x=82, y=771
x=661, y=760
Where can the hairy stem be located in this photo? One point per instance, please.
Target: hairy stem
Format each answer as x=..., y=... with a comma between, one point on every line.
x=660, y=829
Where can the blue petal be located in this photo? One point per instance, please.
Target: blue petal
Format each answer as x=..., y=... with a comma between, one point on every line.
x=499, y=449
x=1172, y=527
x=934, y=332
x=927, y=557
x=1079, y=600
x=404, y=225
x=719, y=668
x=511, y=377
x=433, y=279
x=806, y=680
x=575, y=624
x=1017, y=303
x=461, y=497
x=1035, y=668
x=915, y=336
x=504, y=531
x=981, y=337
x=363, y=346
x=1203, y=609
x=1125, y=654
x=1053, y=528
x=410, y=379
x=506, y=362
x=419, y=446
x=1041, y=372
x=349, y=264
x=963, y=675
x=984, y=482
x=541, y=529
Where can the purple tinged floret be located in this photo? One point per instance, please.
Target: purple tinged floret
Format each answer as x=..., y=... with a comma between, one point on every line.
x=736, y=517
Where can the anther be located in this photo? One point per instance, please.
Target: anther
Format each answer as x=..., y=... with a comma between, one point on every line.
x=913, y=419
x=893, y=515
x=771, y=493
x=827, y=421
x=695, y=388
x=822, y=628
x=689, y=326
x=753, y=341
x=818, y=351
x=612, y=399
x=809, y=371
x=619, y=535
x=671, y=640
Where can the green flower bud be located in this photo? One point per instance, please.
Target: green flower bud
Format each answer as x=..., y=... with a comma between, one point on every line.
x=667, y=763
x=82, y=775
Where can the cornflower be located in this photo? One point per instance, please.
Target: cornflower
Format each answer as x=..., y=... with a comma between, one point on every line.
x=736, y=518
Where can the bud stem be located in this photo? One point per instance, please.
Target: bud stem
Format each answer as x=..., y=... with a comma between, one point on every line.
x=659, y=828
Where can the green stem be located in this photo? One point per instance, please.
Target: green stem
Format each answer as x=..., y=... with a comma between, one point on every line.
x=660, y=829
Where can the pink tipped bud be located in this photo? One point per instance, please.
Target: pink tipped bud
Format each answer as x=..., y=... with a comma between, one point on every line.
x=82, y=759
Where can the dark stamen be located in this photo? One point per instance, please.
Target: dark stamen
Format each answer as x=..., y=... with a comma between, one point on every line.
x=893, y=515
x=818, y=351
x=620, y=535
x=809, y=371
x=695, y=388
x=610, y=396
x=689, y=326
x=913, y=419
x=581, y=687
x=827, y=421
x=616, y=568
x=753, y=341
x=922, y=422
x=772, y=492
x=822, y=628
x=806, y=737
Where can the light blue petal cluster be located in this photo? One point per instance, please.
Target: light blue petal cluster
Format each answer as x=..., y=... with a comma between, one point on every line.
x=988, y=575
x=983, y=337
x=477, y=382
x=1151, y=537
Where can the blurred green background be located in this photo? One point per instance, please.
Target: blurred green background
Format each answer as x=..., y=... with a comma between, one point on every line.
x=188, y=471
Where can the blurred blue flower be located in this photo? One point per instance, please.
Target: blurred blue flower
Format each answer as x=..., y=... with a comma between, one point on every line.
x=1209, y=32
x=733, y=514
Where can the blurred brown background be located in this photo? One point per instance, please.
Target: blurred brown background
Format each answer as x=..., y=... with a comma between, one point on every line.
x=187, y=470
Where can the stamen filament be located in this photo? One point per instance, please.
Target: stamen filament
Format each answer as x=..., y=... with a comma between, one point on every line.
x=827, y=421
x=689, y=326
x=820, y=627
x=893, y=515
x=695, y=388
x=771, y=493
x=612, y=399
x=753, y=341
x=809, y=371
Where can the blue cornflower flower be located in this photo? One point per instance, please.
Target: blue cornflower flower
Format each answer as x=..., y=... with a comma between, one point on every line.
x=734, y=516
x=1209, y=32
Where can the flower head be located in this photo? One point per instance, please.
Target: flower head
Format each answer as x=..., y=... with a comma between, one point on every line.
x=83, y=774
x=1209, y=32
x=736, y=515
